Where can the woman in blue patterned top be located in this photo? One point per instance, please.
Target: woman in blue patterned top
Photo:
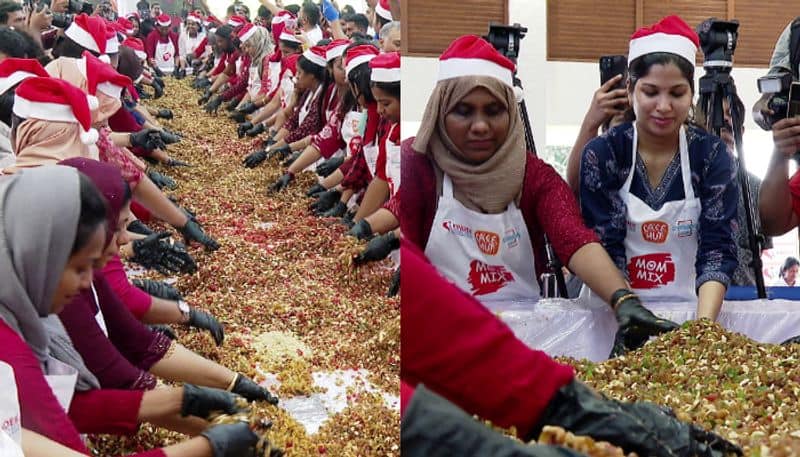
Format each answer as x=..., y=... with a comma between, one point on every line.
x=661, y=193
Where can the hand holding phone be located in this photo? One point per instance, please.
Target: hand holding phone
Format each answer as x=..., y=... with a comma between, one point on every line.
x=611, y=66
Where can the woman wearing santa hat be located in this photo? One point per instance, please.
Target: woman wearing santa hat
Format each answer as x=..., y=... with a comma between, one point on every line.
x=162, y=47
x=660, y=192
x=479, y=204
x=12, y=72
x=192, y=37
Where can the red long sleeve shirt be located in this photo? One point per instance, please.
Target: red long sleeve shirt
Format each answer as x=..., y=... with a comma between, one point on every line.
x=137, y=301
x=459, y=349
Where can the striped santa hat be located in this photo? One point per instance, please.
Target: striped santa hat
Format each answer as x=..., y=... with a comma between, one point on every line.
x=671, y=35
x=56, y=100
x=471, y=55
x=237, y=21
x=287, y=34
x=102, y=77
x=385, y=68
x=89, y=32
x=13, y=71
x=194, y=17
x=382, y=10
x=316, y=55
x=137, y=45
x=358, y=55
x=112, y=40
x=336, y=48
x=125, y=26
x=248, y=31
x=163, y=20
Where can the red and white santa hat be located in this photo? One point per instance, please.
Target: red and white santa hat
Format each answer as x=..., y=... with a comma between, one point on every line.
x=282, y=17
x=471, y=55
x=385, y=68
x=133, y=14
x=358, y=55
x=288, y=35
x=336, y=48
x=13, y=70
x=211, y=20
x=89, y=32
x=382, y=9
x=248, y=31
x=56, y=100
x=671, y=35
x=316, y=55
x=164, y=20
x=237, y=21
x=125, y=25
x=102, y=77
x=112, y=41
x=137, y=45
x=194, y=17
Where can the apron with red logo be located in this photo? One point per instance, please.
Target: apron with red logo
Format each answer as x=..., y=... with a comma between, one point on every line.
x=350, y=133
x=165, y=56
x=392, y=163
x=661, y=245
x=253, y=82
x=487, y=255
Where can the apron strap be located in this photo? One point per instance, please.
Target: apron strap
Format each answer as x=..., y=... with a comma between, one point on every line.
x=686, y=171
x=627, y=186
x=447, y=187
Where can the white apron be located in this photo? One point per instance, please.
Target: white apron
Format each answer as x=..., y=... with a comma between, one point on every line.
x=487, y=255
x=62, y=379
x=287, y=86
x=165, y=56
x=191, y=47
x=253, y=83
x=392, y=163
x=350, y=134
x=101, y=320
x=661, y=245
x=10, y=419
x=307, y=106
x=274, y=75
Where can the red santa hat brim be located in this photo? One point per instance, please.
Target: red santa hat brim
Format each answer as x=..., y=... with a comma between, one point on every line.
x=194, y=18
x=670, y=35
x=471, y=55
x=247, y=32
x=164, y=20
x=13, y=79
x=287, y=35
x=382, y=10
x=83, y=37
x=55, y=112
x=316, y=58
x=335, y=50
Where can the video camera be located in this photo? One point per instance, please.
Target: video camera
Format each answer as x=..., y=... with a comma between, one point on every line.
x=778, y=102
x=718, y=42
x=506, y=38
x=63, y=20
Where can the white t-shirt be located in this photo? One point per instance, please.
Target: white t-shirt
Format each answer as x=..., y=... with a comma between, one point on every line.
x=314, y=36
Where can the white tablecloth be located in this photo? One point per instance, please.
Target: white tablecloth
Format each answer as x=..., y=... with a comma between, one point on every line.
x=585, y=328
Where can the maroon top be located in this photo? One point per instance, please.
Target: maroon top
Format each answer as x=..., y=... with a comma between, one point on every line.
x=547, y=204
x=460, y=350
x=311, y=124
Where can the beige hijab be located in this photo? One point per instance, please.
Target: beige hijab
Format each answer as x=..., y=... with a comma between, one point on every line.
x=74, y=71
x=40, y=142
x=487, y=187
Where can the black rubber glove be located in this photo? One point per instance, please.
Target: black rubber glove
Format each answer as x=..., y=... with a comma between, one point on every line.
x=232, y=440
x=316, y=190
x=792, y=340
x=193, y=232
x=248, y=108
x=281, y=153
x=248, y=389
x=291, y=159
x=165, y=330
x=169, y=137
x=327, y=167
x=147, y=139
x=202, y=83
x=140, y=90
x=378, y=248
x=158, y=71
x=158, y=289
x=255, y=158
x=636, y=323
x=362, y=230
x=164, y=114
x=394, y=286
x=177, y=163
x=348, y=220
x=231, y=106
x=158, y=88
x=642, y=428
x=178, y=73
x=256, y=130
x=237, y=117
x=326, y=201
x=338, y=210
x=137, y=226
x=205, y=97
x=154, y=252
x=282, y=182
x=161, y=180
x=205, y=321
x=202, y=401
x=243, y=128
x=213, y=105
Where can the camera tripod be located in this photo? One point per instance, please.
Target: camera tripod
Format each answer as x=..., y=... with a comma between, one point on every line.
x=715, y=87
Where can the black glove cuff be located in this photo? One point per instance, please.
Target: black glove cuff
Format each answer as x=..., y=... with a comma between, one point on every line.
x=621, y=295
x=394, y=241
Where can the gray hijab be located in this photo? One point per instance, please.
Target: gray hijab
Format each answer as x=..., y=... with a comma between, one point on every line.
x=39, y=211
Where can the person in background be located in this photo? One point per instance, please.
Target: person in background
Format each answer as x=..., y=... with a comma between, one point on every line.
x=161, y=45
x=383, y=15
x=149, y=15
x=309, y=21
x=390, y=37
x=355, y=23
x=787, y=276
x=12, y=14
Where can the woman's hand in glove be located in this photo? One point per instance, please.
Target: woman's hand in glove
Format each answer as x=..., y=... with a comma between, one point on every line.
x=158, y=289
x=158, y=88
x=231, y=106
x=202, y=401
x=243, y=128
x=255, y=158
x=237, y=117
x=248, y=389
x=148, y=139
x=289, y=161
x=204, y=321
x=153, y=252
x=205, y=98
x=161, y=180
x=636, y=323
x=316, y=190
x=327, y=167
x=137, y=226
x=231, y=440
x=326, y=201
x=169, y=137
x=193, y=232
x=248, y=108
x=338, y=210
x=213, y=105
x=258, y=129
x=281, y=153
x=282, y=182
x=176, y=163
x=164, y=114
x=378, y=248
x=361, y=230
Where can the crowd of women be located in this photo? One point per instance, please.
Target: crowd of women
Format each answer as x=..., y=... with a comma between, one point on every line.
x=77, y=333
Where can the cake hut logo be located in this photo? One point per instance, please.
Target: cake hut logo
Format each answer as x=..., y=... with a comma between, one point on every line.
x=651, y=271
x=487, y=279
x=655, y=231
x=488, y=242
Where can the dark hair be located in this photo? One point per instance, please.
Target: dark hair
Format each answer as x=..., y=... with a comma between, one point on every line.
x=93, y=213
x=6, y=7
x=321, y=74
x=789, y=263
x=361, y=21
x=381, y=21
x=312, y=12
x=293, y=45
x=224, y=31
x=360, y=77
x=66, y=47
x=33, y=50
x=392, y=89
x=640, y=67
x=12, y=43
x=264, y=12
x=7, y=105
x=361, y=37
x=348, y=9
x=293, y=8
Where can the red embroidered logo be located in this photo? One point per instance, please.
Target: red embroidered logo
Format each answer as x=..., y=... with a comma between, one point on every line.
x=486, y=279
x=488, y=242
x=651, y=271
x=655, y=231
